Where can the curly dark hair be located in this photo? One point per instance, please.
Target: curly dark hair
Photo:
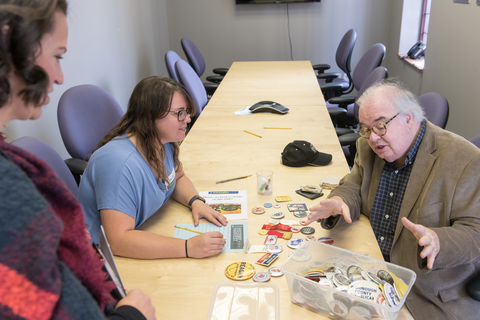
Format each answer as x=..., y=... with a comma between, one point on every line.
x=150, y=100
x=23, y=24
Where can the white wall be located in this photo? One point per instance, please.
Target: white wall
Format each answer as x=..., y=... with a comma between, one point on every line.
x=113, y=44
x=452, y=65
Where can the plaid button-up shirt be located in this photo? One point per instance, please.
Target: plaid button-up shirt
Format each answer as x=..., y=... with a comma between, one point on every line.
x=389, y=198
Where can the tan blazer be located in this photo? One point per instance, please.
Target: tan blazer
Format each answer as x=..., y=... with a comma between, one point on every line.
x=443, y=193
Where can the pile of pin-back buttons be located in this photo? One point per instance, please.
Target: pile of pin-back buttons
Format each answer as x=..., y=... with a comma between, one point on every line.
x=354, y=280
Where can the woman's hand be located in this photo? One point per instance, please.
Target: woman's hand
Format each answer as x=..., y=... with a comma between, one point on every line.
x=202, y=210
x=205, y=245
x=140, y=301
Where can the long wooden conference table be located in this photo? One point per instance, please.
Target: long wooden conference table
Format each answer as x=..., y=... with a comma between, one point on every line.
x=217, y=148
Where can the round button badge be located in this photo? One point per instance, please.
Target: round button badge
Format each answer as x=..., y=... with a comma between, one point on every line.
x=261, y=277
x=307, y=230
x=267, y=205
x=295, y=243
x=295, y=229
x=300, y=213
x=276, y=206
x=275, y=272
x=240, y=271
x=258, y=210
x=277, y=215
x=274, y=248
x=325, y=240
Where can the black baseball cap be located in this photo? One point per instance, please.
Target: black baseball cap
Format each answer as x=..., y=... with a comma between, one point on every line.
x=300, y=153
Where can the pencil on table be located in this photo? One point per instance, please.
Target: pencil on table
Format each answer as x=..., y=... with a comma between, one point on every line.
x=237, y=178
x=188, y=229
x=252, y=133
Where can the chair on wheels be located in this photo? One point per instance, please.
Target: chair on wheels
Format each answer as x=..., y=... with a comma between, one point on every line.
x=348, y=139
x=171, y=57
x=476, y=140
x=86, y=113
x=370, y=60
x=46, y=153
x=189, y=78
x=343, y=57
x=436, y=108
x=197, y=62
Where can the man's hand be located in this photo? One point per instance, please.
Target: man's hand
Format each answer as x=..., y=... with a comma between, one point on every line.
x=427, y=238
x=202, y=210
x=329, y=207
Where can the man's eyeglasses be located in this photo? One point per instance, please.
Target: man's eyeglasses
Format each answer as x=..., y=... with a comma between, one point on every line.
x=379, y=128
x=181, y=114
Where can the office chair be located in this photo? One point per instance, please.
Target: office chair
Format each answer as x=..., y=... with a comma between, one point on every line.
x=348, y=141
x=197, y=62
x=343, y=57
x=476, y=140
x=86, y=113
x=190, y=79
x=370, y=60
x=436, y=108
x=46, y=153
x=171, y=57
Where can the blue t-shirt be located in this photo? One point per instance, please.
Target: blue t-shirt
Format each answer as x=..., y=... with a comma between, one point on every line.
x=118, y=177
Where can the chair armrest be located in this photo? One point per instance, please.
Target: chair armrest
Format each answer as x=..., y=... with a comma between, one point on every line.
x=220, y=71
x=328, y=76
x=331, y=90
x=210, y=88
x=342, y=100
x=76, y=166
x=214, y=79
x=349, y=139
x=321, y=67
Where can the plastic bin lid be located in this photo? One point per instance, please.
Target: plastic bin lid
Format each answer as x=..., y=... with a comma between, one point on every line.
x=237, y=300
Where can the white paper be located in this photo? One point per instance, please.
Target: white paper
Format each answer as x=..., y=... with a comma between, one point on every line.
x=224, y=201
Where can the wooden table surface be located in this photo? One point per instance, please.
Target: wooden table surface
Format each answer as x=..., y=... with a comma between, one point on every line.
x=217, y=148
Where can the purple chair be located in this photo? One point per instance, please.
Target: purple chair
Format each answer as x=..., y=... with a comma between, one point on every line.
x=46, y=153
x=436, y=108
x=86, y=113
x=189, y=78
x=171, y=57
x=197, y=62
x=343, y=57
x=476, y=140
x=348, y=139
x=370, y=60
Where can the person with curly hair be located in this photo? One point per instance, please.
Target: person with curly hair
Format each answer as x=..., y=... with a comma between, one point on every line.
x=48, y=269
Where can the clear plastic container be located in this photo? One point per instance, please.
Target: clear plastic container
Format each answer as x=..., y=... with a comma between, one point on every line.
x=244, y=301
x=329, y=301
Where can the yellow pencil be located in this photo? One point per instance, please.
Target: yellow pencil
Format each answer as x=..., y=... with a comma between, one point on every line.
x=252, y=133
x=188, y=229
x=237, y=178
x=276, y=128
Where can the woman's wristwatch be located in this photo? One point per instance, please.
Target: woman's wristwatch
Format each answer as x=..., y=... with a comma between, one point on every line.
x=195, y=197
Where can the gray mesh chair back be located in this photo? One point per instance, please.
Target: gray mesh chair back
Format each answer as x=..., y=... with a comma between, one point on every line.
x=370, y=60
x=171, y=57
x=86, y=113
x=436, y=108
x=46, y=153
x=342, y=58
x=189, y=78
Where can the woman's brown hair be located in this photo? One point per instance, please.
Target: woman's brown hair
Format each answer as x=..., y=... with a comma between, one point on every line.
x=150, y=100
x=23, y=23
